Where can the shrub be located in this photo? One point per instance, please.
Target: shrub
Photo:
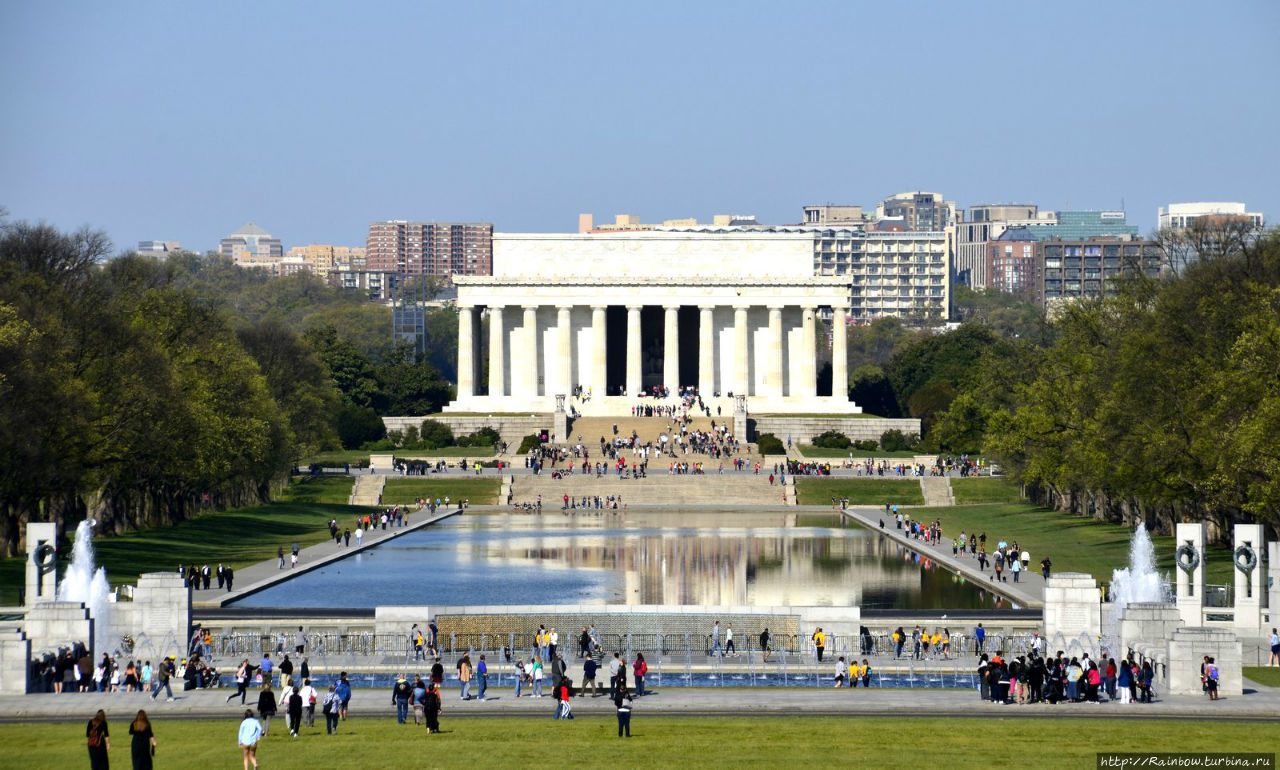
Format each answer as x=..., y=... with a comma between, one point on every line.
x=866, y=445
x=357, y=425
x=769, y=444
x=486, y=436
x=528, y=443
x=832, y=440
x=433, y=435
x=894, y=440
x=409, y=440
x=381, y=445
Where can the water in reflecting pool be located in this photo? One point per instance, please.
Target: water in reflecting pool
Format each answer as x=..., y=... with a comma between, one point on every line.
x=738, y=558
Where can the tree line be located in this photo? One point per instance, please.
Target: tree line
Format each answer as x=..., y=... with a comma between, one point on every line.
x=139, y=392
x=1159, y=402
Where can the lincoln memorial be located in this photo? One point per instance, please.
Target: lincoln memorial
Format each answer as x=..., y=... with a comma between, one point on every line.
x=616, y=316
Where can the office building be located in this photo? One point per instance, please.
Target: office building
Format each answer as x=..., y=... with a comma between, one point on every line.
x=158, y=249
x=323, y=258
x=251, y=246
x=442, y=249
x=1075, y=268
x=1184, y=216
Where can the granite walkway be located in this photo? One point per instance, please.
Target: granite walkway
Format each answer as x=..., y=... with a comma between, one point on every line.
x=1259, y=703
x=1027, y=592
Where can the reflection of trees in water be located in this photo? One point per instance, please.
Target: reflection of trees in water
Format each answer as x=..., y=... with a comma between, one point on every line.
x=756, y=566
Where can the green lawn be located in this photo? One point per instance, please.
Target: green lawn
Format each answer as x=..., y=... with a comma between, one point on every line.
x=337, y=458
x=985, y=490
x=818, y=490
x=1073, y=543
x=481, y=490
x=239, y=537
x=820, y=452
x=667, y=741
x=1267, y=675
x=318, y=489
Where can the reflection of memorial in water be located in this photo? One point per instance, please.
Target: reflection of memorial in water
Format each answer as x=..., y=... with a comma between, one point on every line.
x=756, y=559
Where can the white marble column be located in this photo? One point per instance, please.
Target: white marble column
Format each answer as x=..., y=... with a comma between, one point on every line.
x=529, y=377
x=599, y=351
x=497, y=348
x=633, y=350
x=774, y=382
x=839, y=353
x=671, y=348
x=466, y=352
x=706, y=351
x=740, y=354
x=562, y=382
x=808, y=385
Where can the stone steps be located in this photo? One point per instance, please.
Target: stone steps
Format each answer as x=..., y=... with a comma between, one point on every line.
x=647, y=428
x=658, y=488
x=368, y=489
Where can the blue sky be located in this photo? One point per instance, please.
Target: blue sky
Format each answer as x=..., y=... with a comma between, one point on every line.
x=181, y=120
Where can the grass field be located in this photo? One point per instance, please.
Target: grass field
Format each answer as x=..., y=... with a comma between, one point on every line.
x=481, y=490
x=818, y=490
x=985, y=490
x=1267, y=675
x=318, y=489
x=1073, y=543
x=812, y=452
x=669, y=741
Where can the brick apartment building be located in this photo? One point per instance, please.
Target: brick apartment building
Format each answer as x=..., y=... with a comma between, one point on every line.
x=430, y=248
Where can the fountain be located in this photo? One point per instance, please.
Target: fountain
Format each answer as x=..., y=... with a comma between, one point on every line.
x=1139, y=582
x=85, y=583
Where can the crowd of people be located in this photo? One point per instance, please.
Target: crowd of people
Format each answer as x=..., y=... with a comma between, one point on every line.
x=200, y=577
x=1028, y=679
x=1005, y=558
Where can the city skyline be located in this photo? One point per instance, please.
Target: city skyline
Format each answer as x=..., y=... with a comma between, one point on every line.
x=152, y=121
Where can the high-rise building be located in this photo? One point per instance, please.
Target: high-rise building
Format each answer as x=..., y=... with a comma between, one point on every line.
x=984, y=224
x=1011, y=262
x=430, y=248
x=1182, y=216
x=1088, y=266
x=158, y=249
x=923, y=211
x=251, y=246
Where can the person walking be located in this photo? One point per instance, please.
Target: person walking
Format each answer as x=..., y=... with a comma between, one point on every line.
x=400, y=693
x=537, y=676
x=715, y=640
x=242, y=681
x=729, y=649
x=819, y=642
x=766, y=644
x=433, y=707
x=622, y=699
x=482, y=674
x=266, y=707
x=98, y=738
x=308, y=694
x=280, y=556
x=142, y=742
x=250, y=732
x=1274, y=660
x=418, y=699
x=344, y=694
x=163, y=675
x=331, y=708
x=294, y=706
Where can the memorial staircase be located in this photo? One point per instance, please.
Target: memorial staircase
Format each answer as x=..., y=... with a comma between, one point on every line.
x=368, y=489
x=657, y=488
x=937, y=490
x=647, y=428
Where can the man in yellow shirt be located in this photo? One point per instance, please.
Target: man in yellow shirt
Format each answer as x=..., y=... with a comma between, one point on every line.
x=819, y=642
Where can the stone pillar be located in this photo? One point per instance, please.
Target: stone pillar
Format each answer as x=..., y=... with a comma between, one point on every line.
x=839, y=353
x=42, y=575
x=529, y=376
x=808, y=385
x=741, y=370
x=1273, y=581
x=1187, y=649
x=1071, y=611
x=560, y=428
x=773, y=380
x=706, y=351
x=15, y=662
x=740, y=417
x=671, y=348
x=562, y=382
x=599, y=351
x=1147, y=623
x=466, y=352
x=497, y=352
x=1248, y=582
x=633, y=350
x=1190, y=595
x=162, y=611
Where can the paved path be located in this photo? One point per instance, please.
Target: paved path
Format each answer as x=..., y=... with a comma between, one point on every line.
x=267, y=573
x=1261, y=703
x=1027, y=592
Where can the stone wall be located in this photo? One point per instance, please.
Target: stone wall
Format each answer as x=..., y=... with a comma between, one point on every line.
x=50, y=625
x=15, y=661
x=1187, y=649
x=1151, y=623
x=1071, y=608
x=803, y=429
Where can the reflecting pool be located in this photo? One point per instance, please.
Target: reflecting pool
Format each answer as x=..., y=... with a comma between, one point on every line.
x=660, y=557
